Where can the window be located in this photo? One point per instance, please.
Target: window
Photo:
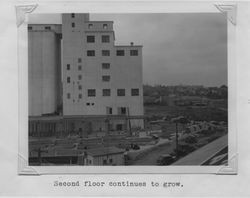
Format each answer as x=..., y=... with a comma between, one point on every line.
x=29, y=28
x=79, y=60
x=80, y=87
x=120, y=92
x=72, y=25
x=110, y=161
x=122, y=111
x=72, y=15
x=91, y=53
x=90, y=26
x=106, y=92
x=119, y=127
x=105, y=38
x=104, y=162
x=109, y=110
x=92, y=104
x=105, y=53
x=87, y=103
x=105, y=78
x=68, y=66
x=134, y=92
x=79, y=77
x=79, y=67
x=68, y=79
x=80, y=96
x=91, y=92
x=120, y=53
x=105, y=65
x=47, y=27
x=90, y=39
x=90, y=161
x=105, y=26
x=133, y=52
x=68, y=95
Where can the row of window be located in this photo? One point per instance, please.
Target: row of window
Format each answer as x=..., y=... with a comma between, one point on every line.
x=106, y=92
x=104, y=66
x=105, y=78
x=46, y=28
x=118, y=52
x=90, y=26
x=105, y=39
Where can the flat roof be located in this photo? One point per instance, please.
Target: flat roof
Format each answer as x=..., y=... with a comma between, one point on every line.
x=99, y=21
x=201, y=155
x=128, y=46
x=90, y=117
x=105, y=151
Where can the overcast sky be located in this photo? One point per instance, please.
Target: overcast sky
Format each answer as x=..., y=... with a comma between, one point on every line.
x=177, y=48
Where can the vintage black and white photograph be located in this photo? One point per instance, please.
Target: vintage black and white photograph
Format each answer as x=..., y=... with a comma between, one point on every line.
x=128, y=89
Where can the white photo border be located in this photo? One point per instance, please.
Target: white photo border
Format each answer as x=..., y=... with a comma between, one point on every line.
x=23, y=11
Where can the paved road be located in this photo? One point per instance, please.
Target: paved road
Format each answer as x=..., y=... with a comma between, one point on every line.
x=151, y=157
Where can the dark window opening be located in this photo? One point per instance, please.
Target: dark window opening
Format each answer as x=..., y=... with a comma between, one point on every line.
x=47, y=28
x=79, y=60
x=29, y=28
x=120, y=92
x=68, y=66
x=105, y=65
x=119, y=127
x=105, y=26
x=105, y=53
x=109, y=110
x=79, y=77
x=91, y=53
x=120, y=52
x=133, y=52
x=90, y=39
x=106, y=92
x=105, y=78
x=80, y=87
x=72, y=25
x=134, y=92
x=90, y=26
x=105, y=39
x=68, y=79
x=79, y=67
x=80, y=96
x=68, y=95
x=73, y=15
x=91, y=92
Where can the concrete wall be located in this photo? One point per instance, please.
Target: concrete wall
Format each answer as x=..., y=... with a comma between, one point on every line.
x=43, y=69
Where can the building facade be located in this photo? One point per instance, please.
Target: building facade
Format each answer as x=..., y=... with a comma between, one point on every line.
x=90, y=75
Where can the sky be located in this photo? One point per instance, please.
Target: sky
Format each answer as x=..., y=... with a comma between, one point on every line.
x=178, y=48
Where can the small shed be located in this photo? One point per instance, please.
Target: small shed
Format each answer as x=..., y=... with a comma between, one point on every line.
x=102, y=157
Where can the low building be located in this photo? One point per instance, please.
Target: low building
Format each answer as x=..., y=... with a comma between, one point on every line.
x=103, y=156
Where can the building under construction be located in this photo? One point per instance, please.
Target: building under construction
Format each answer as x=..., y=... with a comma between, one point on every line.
x=80, y=82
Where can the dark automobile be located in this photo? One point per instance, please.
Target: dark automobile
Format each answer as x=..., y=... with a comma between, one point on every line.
x=165, y=159
x=135, y=146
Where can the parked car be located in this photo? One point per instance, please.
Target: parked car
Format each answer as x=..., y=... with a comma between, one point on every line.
x=165, y=159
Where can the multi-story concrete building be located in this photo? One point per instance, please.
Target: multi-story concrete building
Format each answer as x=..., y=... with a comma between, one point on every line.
x=84, y=75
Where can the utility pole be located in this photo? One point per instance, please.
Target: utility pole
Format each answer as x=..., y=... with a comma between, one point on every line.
x=176, y=139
